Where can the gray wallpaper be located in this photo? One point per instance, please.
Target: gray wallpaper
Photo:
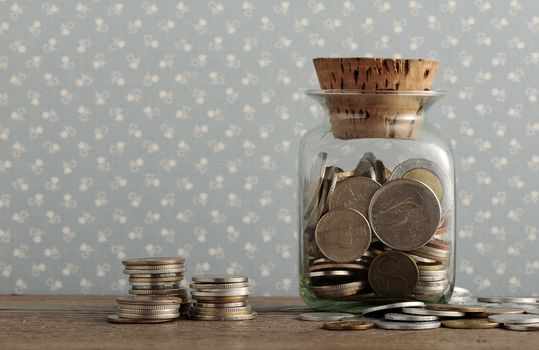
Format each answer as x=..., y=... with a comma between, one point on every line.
x=153, y=128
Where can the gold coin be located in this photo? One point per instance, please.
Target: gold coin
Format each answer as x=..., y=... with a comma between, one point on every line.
x=461, y=308
x=431, y=267
x=428, y=178
x=347, y=325
x=470, y=323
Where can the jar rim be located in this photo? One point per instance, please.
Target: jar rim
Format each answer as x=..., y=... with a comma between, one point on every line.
x=349, y=92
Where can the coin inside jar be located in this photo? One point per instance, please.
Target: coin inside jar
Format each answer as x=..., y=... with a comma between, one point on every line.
x=343, y=235
x=393, y=274
x=430, y=174
x=404, y=214
x=354, y=193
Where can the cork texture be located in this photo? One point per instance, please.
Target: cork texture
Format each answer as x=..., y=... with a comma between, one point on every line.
x=372, y=115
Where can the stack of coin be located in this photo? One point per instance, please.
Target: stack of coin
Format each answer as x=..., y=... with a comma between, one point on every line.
x=358, y=222
x=220, y=298
x=160, y=277
x=146, y=309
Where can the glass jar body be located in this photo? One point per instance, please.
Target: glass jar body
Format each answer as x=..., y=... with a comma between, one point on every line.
x=337, y=283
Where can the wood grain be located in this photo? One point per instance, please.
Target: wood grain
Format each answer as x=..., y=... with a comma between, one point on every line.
x=78, y=322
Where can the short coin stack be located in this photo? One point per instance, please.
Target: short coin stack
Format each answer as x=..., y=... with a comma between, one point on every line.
x=159, y=277
x=146, y=310
x=221, y=298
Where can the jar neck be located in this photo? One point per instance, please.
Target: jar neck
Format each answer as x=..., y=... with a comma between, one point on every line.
x=359, y=114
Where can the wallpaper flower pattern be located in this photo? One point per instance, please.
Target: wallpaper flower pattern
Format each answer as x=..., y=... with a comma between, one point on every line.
x=154, y=128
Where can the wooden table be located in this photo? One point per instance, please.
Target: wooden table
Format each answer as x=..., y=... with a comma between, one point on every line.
x=78, y=322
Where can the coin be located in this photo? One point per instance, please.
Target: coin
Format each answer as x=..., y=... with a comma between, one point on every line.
x=153, y=271
x=314, y=183
x=343, y=235
x=148, y=316
x=501, y=310
x=533, y=311
x=223, y=318
x=222, y=310
x=347, y=325
x=330, y=274
x=393, y=274
x=393, y=306
x=201, y=286
x=430, y=174
x=338, y=290
x=230, y=299
x=139, y=307
x=221, y=305
x=530, y=327
x=350, y=266
x=151, y=268
x=365, y=167
x=421, y=311
x=404, y=214
x=156, y=286
x=408, y=325
x=155, y=279
x=518, y=300
x=153, y=261
x=514, y=318
x=138, y=300
x=324, y=316
x=219, y=279
x=470, y=323
x=461, y=308
x=150, y=312
x=354, y=193
x=118, y=319
x=221, y=292
x=409, y=318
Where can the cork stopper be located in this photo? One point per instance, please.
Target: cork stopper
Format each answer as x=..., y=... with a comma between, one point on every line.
x=388, y=114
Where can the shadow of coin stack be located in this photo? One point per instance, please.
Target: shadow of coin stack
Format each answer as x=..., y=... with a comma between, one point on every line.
x=220, y=298
x=158, y=277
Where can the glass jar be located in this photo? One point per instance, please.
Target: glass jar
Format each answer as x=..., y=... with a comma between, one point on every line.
x=376, y=190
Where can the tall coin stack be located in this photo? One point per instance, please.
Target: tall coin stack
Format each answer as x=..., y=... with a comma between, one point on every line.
x=158, y=277
x=398, y=247
x=220, y=298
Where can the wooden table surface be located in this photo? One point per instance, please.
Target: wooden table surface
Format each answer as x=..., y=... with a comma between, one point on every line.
x=78, y=322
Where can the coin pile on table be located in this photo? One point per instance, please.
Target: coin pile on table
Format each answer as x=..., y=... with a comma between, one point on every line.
x=220, y=298
x=147, y=309
x=519, y=314
x=371, y=232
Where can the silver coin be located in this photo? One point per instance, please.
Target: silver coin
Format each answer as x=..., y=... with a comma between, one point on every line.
x=518, y=300
x=314, y=183
x=408, y=325
x=202, y=286
x=324, y=316
x=489, y=299
x=392, y=306
x=434, y=177
x=461, y=291
x=533, y=311
x=502, y=310
x=426, y=312
x=221, y=305
x=252, y=316
x=409, y=318
x=221, y=293
x=219, y=279
x=330, y=273
x=514, y=318
x=530, y=327
x=149, y=317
